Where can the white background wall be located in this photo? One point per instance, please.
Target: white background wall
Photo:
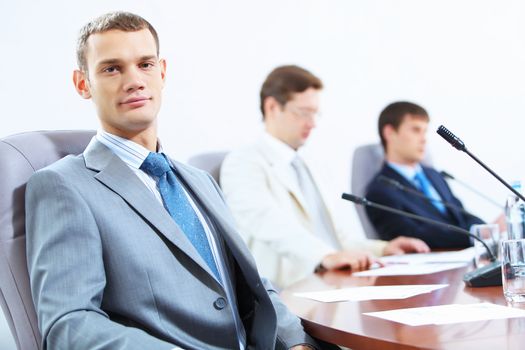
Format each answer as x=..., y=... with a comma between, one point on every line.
x=462, y=60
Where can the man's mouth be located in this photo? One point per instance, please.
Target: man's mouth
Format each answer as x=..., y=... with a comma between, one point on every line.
x=134, y=102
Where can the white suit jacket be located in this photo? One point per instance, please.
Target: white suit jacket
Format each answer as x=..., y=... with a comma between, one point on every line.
x=269, y=208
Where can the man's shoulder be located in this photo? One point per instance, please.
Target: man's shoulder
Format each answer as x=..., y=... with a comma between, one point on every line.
x=247, y=150
x=68, y=171
x=377, y=188
x=383, y=171
x=246, y=163
x=66, y=165
x=245, y=155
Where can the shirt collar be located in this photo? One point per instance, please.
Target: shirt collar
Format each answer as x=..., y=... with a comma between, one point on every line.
x=286, y=153
x=408, y=172
x=130, y=152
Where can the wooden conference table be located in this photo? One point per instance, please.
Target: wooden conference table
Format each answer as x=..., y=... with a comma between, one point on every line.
x=343, y=323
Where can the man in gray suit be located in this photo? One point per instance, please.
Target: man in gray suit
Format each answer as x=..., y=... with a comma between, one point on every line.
x=128, y=249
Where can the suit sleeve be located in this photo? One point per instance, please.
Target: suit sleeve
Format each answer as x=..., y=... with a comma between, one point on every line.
x=265, y=225
x=66, y=268
x=290, y=331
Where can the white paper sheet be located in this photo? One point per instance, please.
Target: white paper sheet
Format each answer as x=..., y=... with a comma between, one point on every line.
x=465, y=256
x=448, y=314
x=371, y=292
x=409, y=269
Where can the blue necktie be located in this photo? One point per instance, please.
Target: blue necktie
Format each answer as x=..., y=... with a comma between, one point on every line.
x=425, y=186
x=178, y=206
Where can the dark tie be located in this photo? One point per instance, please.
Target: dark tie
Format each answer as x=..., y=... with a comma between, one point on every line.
x=424, y=185
x=178, y=206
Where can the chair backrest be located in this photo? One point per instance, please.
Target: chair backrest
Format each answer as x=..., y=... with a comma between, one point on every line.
x=210, y=162
x=20, y=156
x=366, y=163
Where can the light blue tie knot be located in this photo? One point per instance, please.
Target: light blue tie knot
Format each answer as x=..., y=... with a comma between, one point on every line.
x=155, y=164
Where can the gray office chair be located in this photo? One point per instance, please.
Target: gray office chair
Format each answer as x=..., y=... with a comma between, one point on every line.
x=367, y=161
x=20, y=156
x=210, y=162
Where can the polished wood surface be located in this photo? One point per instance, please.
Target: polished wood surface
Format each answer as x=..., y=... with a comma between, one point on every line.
x=343, y=323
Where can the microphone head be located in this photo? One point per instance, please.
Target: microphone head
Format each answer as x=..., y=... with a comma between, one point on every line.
x=355, y=199
x=451, y=138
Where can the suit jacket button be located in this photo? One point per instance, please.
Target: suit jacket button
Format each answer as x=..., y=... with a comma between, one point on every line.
x=220, y=303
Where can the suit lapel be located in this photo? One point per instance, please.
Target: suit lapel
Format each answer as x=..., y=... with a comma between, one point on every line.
x=443, y=193
x=421, y=202
x=116, y=175
x=281, y=171
x=215, y=209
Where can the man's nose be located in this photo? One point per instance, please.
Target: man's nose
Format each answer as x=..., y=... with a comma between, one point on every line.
x=312, y=121
x=133, y=80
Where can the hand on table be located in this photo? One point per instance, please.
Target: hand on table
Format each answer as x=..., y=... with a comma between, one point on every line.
x=355, y=261
x=402, y=245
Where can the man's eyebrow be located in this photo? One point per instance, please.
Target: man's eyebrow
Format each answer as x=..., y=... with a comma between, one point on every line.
x=108, y=61
x=148, y=57
x=116, y=60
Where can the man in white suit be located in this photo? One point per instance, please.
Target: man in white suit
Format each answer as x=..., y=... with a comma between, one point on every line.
x=277, y=201
x=129, y=249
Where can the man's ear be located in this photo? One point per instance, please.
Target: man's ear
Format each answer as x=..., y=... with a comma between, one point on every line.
x=162, y=63
x=81, y=83
x=388, y=131
x=271, y=106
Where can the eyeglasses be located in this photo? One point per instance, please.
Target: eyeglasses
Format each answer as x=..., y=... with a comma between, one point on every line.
x=304, y=112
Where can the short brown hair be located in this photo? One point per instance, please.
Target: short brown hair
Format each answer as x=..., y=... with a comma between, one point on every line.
x=124, y=21
x=394, y=113
x=283, y=81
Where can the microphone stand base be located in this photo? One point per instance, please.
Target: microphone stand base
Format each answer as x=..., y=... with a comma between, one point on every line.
x=486, y=276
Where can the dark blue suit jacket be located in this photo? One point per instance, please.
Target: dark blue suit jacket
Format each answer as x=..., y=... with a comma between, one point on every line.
x=389, y=226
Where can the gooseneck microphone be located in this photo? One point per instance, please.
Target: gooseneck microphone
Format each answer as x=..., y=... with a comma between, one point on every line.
x=401, y=187
x=460, y=145
x=488, y=275
x=470, y=188
x=451, y=138
x=367, y=203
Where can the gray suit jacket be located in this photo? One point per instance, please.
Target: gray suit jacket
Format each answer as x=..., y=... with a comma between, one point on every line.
x=110, y=269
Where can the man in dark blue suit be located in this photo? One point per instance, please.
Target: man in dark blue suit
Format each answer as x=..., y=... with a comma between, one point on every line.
x=402, y=128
